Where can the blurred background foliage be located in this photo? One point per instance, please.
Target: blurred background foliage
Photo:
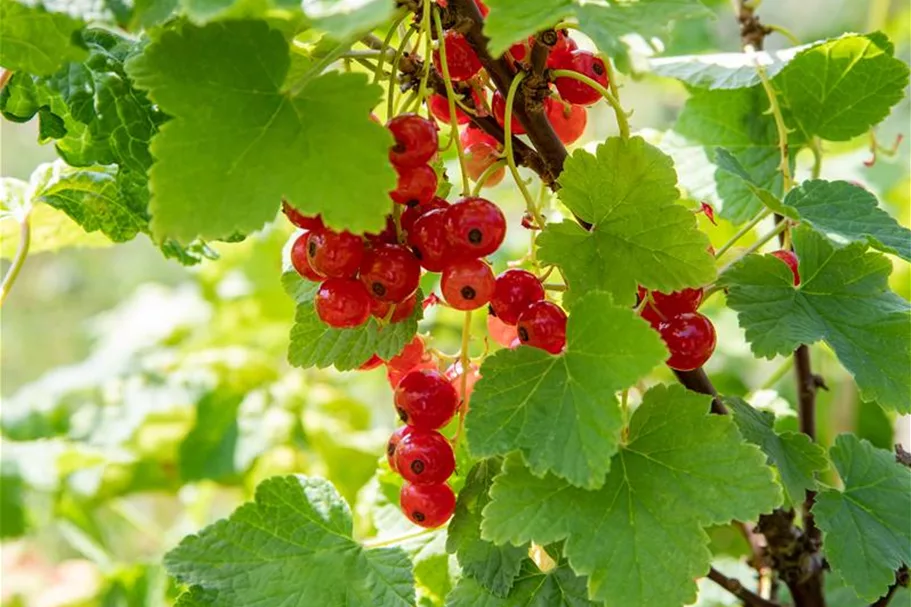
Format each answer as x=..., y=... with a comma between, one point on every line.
x=143, y=400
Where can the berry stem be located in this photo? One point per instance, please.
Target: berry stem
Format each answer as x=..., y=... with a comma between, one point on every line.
x=450, y=97
x=786, y=33
x=777, y=375
x=464, y=361
x=390, y=92
x=25, y=239
x=507, y=149
x=785, y=166
x=482, y=179
x=742, y=232
x=780, y=227
x=622, y=120
x=387, y=44
x=401, y=539
x=428, y=51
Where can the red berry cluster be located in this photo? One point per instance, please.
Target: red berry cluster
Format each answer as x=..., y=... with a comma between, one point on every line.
x=688, y=335
x=519, y=314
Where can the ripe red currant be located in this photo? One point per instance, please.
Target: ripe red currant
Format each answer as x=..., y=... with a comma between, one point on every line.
x=334, y=254
x=478, y=158
x=462, y=61
x=415, y=185
x=482, y=8
x=564, y=46
x=472, y=135
x=439, y=107
x=500, y=332
x=467, y=284
x=429, y=241
x=299, y=259
x=393, y=442
x=519, y=50
x=424, y=457
x=475, y=227
x=498, y=105
x=426, y=400
x=403, y=309
x=515, y=291
x=568, y=121
x=791, y=260
x=667, y=305
x=427, y=505
x=342, y=303
x=415, y=212
x=543, y=325
x=413, y=356
x=416, y=140
x=387, y=236
x=304, y=222
x=390, y=272
x=587, y=64
x=372, y=363
x=454, y=375
x=690, y=338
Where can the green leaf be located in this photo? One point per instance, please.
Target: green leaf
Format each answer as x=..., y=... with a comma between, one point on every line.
x=723, y=71
x=866, y=528
x=293, y=541
x=12, y=508
x=843, y=299
x=36, y=40
x=841, y=88
x=681, y=470
x=559, y=587
x=847, y=212
x=628, y=192
x=736, y=120
x=238, y=142
x=344, y=19
x=494, y=568
x=606, y=22
x=796, y=457
x=561, y=412
x=315, y=344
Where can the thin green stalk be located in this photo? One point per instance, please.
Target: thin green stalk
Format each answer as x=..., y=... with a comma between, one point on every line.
x=778, y=375
x=780, y=227
x=622, y=121
x=390, y=93
x=786, y=33
x=507, y=150
x=386, y=44
x=396, y=540
x=486, y=175
x=816, y=148
x=25, y=239
x=450, y=97
x=785, y=166
x=428, y=52
x=464, y=361
x=746, y=229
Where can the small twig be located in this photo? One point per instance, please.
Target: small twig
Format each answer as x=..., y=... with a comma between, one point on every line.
x=737, y=589
x=901, y=579
x=742, y=232
x=902, y=457
x=25, y=239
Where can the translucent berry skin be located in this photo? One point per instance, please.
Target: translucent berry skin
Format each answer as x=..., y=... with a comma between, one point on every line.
x=335, y=254
x=564, y=46
x=372, y=363
x=543, y=325
x=454, y=375
x=413, y=356
x=515, y=290
x=472, y=135
x=390, y=272
x=462, y=61
x=429, y=241
x=397, y=436
x=467, y=284
x=690, y=338
x=478, y=158
x=439, y=107
x=415, y=212
x=475, y=227
x=299, y=259
x=791, y=260
x=425, y=399
x=300, y=220
x=415, y=185
x=667, y=305
x=500, y=332
x=387, y=236
x=403, y=309
x=587, y=64
x=416, y=140
x=427, y=505
x=424, y=458
x=498, y=105
x=342, y=303
x=568, y=122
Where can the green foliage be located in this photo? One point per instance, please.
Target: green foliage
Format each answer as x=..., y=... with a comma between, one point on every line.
x=843, y=299
x=680, y=470
x=296, y=524
x=628, y=192
x=865, y=526
x=560, y=412
x=559, y=587
x=12, y=509
x=37, y=40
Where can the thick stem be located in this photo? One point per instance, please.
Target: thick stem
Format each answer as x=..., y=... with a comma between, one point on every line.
x=698, y=381
x=733, y=586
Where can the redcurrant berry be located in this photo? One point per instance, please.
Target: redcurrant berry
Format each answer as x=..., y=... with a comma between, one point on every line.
x=393, y=442
x=515, y=291
x=412, y=357
x=390, y=272
x=568, y=121
x=426, y=400
x=482, y=8
x=462, y=61
x=387, y=236
x=519, y=50
x=439, y=107
x=416, y=140
x=690, y=338
x=429, y=241
x=342, y=303
x=564, y=46
x=304, y=222
x=415, y=212
x=667, y=305
x=478, y=158
x=424, y=457
x=415, y=185
x=454, y=375
x=475, y=227
x=472, y=135
x=372, y=363
x=587, y=64
x=498, y=105
x=467, y=284
x=299, y=259
x=791, y=260
x=404, y=309
x=543, y=325
x=335, y=254
x=500, y=332
x=427, y=505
